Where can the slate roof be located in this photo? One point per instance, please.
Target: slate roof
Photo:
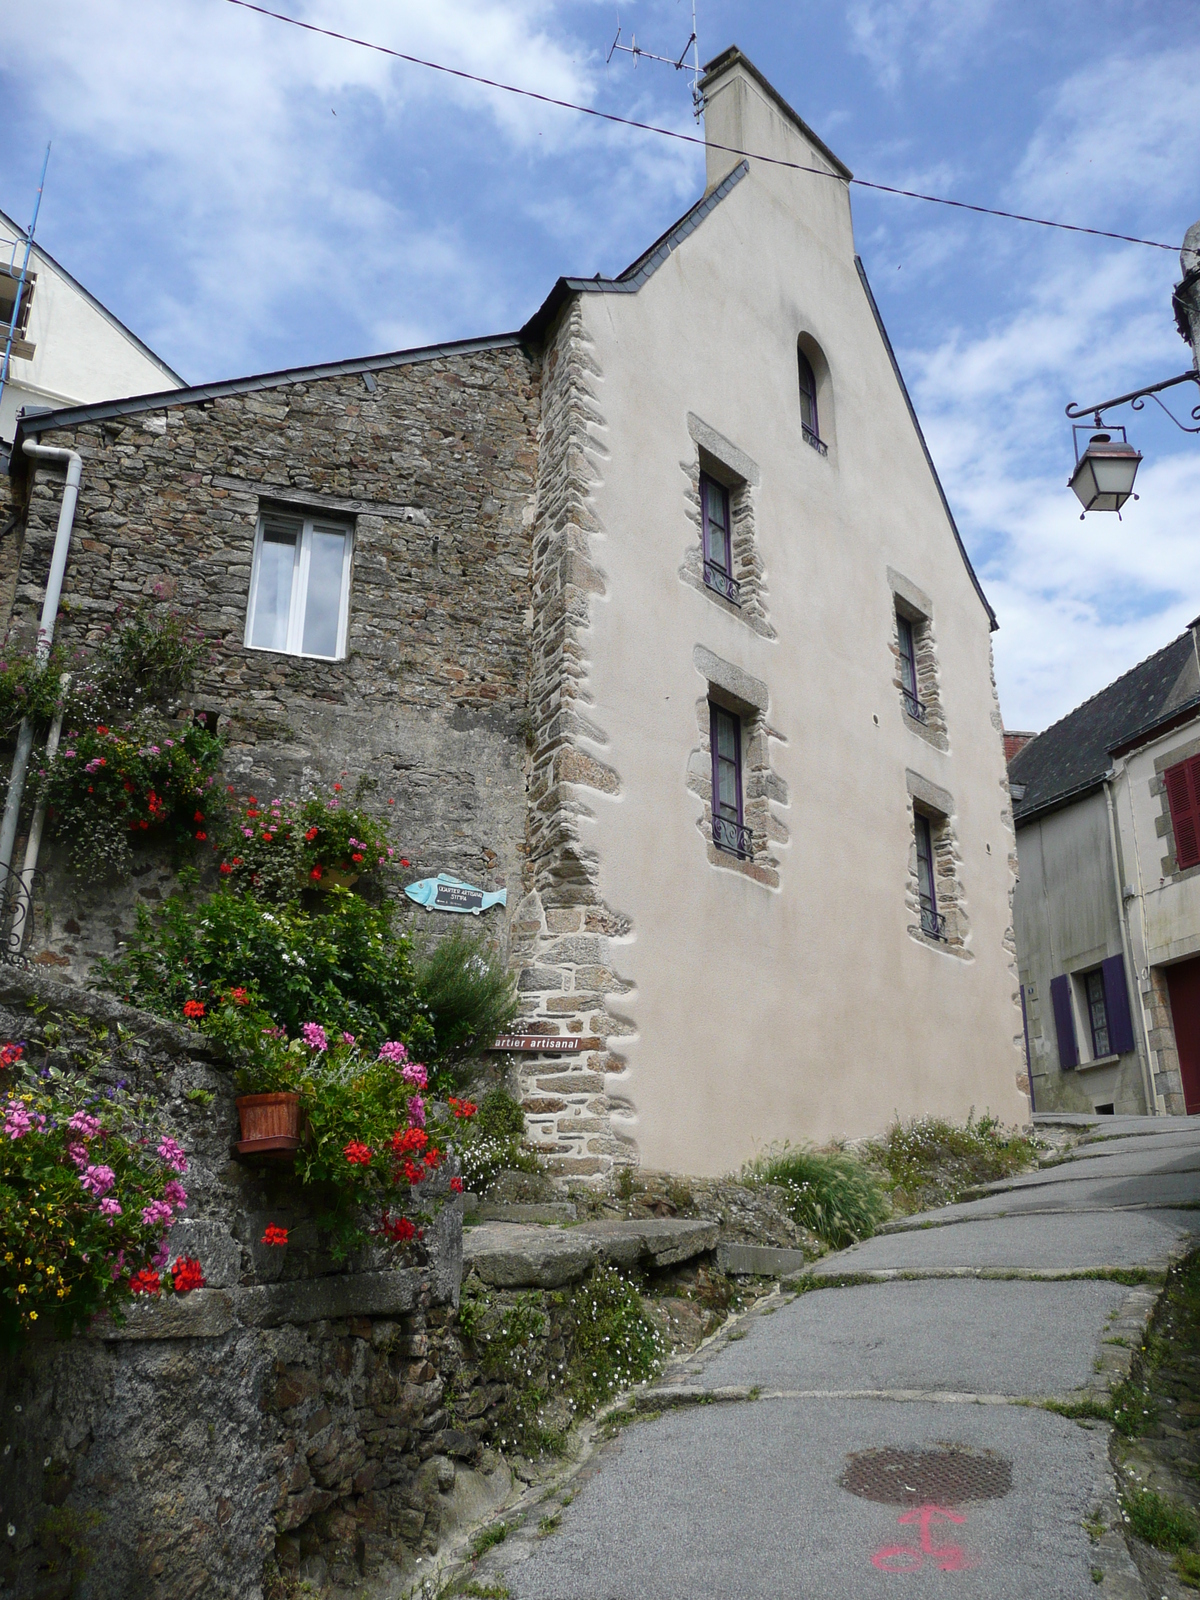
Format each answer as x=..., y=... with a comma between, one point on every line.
x=1071, y=758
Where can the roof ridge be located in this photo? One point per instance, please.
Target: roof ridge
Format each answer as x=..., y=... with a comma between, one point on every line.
x=1083, y=704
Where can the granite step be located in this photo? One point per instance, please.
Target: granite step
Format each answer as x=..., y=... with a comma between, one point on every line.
x=514, y=1255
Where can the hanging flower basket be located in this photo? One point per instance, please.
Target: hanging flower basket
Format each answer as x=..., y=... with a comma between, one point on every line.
x=270, y=1125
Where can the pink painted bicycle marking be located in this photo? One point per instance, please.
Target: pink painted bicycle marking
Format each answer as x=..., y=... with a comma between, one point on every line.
x=904, y=1558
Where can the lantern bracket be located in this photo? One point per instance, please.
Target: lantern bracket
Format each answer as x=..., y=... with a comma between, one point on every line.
x=1136, y=399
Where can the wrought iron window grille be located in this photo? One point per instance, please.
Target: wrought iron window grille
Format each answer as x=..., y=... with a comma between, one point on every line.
x=17, y=895
x=933, y=923
x=721, y=583
x=732, y=836
x=813, y=439
x=916, y=710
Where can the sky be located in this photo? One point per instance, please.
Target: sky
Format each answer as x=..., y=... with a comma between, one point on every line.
x=246, y=197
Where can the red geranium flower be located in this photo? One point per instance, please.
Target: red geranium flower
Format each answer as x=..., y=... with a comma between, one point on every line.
x=202, y=836
x=315, y=873
x=239, y=996
x=193, y=1008
x=145, y=1281
x=187, y=1274
x=463, y=1108
x=398, y=1229
x=199, y=817
x=312, y=834
x=413, y=1173
x=357, y=856
x=101, y=730
x=433, y=1158
x=275, y=1234
x=358, y=1155
x=456, y=1185
x=337, y=786
x=409, y=1139
x=225, y=867
x=405, y=863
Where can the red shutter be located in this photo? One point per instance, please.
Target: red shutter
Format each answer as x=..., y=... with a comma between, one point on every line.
x=1183, y=797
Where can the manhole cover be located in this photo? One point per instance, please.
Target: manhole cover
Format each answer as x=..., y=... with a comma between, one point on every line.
x=943, y=1477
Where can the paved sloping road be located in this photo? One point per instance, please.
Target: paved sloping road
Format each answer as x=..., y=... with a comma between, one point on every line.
x=876, y=1438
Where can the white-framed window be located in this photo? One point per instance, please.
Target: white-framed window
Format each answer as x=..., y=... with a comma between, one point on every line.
x=300, y=585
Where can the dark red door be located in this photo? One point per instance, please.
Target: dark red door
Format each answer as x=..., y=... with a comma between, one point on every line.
x=1183, y=983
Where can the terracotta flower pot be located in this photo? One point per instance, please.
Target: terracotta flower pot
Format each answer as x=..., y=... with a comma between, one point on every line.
x=335, y=878
x=270, y=1125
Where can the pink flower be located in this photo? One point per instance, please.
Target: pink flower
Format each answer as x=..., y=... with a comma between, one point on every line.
x=416, y=1074
x=173, y=1155
x=160, y=1256
x=314, y=1036
x=110, y=1209
x=416, y=1112
x=78, y=1154
x=348, y=1038
x=83, y=1122
x=98, y=1180
x=17, y=1121
x=157, y=1211
x=175, y=1194
x=392, y=1050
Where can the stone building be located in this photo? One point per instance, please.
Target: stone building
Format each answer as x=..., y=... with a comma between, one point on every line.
x=653, y=612
x=1107, y=805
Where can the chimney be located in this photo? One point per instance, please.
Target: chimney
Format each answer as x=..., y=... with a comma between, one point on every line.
x=742, y=111
x=1014, y=743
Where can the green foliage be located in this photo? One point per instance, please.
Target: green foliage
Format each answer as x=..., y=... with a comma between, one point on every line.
x=616, y=1345
x=1134, y=1411
x=470, y=994
x=80, y=1173
x=344, y=966
x=504, y=1335
x=1187, y=1568
x=834, y=1195
x=27, y=690
x=931, y=1162
x=148, y=658
x=488, y=1537
x=275, y=848
x=491, y=1142
x=1163, y=1523
x=110, y=787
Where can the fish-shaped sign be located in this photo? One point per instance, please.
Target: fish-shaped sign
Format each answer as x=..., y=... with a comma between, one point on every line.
x=444, y=893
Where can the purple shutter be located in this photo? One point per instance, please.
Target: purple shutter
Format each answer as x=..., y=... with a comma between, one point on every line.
x=1064, y=1023
x=1116, y=1002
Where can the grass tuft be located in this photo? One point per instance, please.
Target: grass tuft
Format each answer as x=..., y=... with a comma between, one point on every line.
x=486, y=1538
x=832, y=1194
x=1165, y=1524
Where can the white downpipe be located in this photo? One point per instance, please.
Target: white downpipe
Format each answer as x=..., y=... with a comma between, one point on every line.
x=58, y=567
x=24, y=900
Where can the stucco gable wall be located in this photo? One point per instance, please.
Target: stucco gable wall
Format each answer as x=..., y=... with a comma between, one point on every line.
x=806, y=1010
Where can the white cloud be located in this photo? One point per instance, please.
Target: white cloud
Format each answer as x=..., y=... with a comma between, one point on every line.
x=893, y=34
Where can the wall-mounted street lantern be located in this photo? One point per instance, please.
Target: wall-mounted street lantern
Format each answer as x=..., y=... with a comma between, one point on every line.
x=1104, y=473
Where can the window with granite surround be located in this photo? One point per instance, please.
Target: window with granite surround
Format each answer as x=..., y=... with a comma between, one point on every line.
x=730, y=772
x=723, y=562
x=300, y=585
x=915, y=663
x=934, y=898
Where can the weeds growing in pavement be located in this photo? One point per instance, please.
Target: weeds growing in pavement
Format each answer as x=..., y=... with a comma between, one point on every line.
x=1165, y=1524
x=931, y=1162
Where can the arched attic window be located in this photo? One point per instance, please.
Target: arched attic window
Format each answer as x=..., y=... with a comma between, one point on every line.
x=809, y=417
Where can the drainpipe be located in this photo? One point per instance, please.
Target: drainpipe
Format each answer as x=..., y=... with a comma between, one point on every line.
x=58, y=566
x=23, y=904
x=1127, y=948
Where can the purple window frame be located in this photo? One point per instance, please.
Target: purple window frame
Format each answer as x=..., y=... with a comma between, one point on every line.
x=931, y=922
x=724, y=561
x=908, y=664
x=715, y=713
x=808, y=396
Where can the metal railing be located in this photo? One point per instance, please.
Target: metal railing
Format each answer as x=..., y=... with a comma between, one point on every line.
x=913, y=706
x=813, y=439
x=721, y=583
x=732, y=836
x=16, y=914
x=933, y=923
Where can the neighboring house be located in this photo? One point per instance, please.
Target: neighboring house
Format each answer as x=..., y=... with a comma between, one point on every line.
x=68, y=349
x=652, y=612
x=1107, y=806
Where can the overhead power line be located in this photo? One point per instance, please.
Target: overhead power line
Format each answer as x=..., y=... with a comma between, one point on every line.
x=688, y=138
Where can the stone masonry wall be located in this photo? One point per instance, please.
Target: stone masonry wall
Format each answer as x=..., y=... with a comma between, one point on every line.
x=290, y=1412
x=564, y=935
x=436, y=466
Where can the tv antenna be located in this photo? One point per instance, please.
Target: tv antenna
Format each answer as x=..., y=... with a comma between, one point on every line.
x=22, y=276
x=680, y=62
